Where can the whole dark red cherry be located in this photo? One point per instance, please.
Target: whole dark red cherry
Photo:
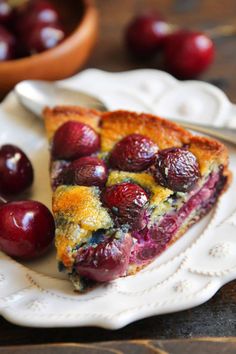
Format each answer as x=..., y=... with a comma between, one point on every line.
x=44, y=37
x=133, y=153
x=6, y=12
x=7, y=45
x=146, y=34
x=176, y=169
x=127, y=202
x=188, y=53
x=86, y=171
x=44, y=12
x=16, y=171
x=34, y=14
x=105, y=261
x=27, y=229
x=73, y=140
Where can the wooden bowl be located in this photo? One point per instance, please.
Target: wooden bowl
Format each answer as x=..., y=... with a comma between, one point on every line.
x=80, y=19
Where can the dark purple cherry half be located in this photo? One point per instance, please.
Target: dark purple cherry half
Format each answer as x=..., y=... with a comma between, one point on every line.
x=73, y=140
x=127, y=202
x=176, y=169
x=133, y=153
x=105, y=261
x=86, y=171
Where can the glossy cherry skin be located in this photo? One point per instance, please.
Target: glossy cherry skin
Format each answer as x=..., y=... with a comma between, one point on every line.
x=16, y=171
x=43, y=12
x=6, y=12
x=26, y=229
x=187, y=54
x=105, y=261
x=176, y=169
x=34, y=14
x=86, y=171
x=127, y=202
x=44, y=37
x=133, y=153
x=73, y=140
x=7, y=45
x=146, y=34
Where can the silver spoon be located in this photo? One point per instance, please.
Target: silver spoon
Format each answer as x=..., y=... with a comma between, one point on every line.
x=36, y=94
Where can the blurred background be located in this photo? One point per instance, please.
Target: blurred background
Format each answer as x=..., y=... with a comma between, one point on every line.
x=110, y=53
x=54, y=39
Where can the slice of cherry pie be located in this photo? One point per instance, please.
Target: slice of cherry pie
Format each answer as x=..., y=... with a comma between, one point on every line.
x=126, y=186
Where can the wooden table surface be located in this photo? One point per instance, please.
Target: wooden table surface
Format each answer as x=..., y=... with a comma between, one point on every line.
x=217, y=316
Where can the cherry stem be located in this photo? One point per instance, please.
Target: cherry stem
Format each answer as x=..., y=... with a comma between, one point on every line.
x=215, y=32
x=2, y=200
x=221, y=31
x=16, y=3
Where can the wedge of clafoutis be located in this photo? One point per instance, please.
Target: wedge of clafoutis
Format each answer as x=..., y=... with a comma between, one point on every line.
x=125, y=187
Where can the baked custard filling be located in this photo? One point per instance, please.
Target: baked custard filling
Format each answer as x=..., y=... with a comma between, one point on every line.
x=125, y=187
x=183, y=211
x=138, y=248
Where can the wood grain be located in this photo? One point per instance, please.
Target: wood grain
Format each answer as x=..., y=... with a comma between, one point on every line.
x=195, y=346
x=110, y=53
x=217, y=316
x=214, y=318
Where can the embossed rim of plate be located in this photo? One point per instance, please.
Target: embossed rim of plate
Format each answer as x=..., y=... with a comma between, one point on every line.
x=181, y=282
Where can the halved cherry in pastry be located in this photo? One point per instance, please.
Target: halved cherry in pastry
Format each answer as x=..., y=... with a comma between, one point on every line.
x=133, y=153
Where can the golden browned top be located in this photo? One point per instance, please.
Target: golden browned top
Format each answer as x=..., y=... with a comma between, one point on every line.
x=113, y=126
x=80, y=207
x=78, y=212
x=59, y=115
x=209, y=152
x=118, y=124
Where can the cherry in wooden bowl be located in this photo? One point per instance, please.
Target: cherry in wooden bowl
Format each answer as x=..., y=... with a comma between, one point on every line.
x=80, y=20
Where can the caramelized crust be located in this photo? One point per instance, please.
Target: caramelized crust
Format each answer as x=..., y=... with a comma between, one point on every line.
x=78, y=210
x=55, y=117
x=209, y=152
x=82, y=206
x=118, y=124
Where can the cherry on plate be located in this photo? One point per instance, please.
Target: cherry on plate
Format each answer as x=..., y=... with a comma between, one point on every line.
x=187, y=53
x=176, y=169
x=146, y=34
x=7, y=45
x=73, y=140
x=27, y=229
x=86, y=171
x=16, y=171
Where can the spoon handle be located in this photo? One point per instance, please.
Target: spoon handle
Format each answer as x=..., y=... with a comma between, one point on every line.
x=226, y=134
x=36, y=94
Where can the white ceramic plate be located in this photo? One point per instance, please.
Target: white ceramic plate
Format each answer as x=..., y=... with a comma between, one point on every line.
x=186, y=275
